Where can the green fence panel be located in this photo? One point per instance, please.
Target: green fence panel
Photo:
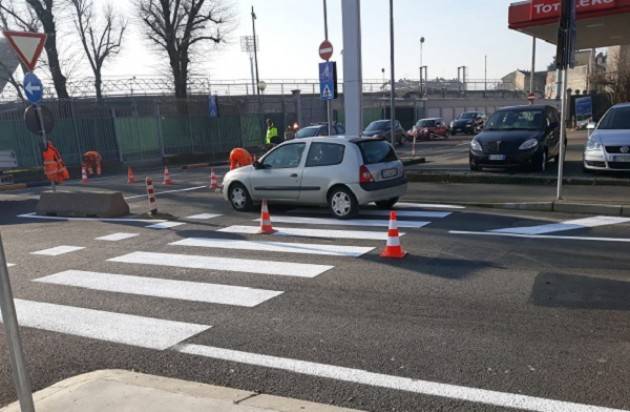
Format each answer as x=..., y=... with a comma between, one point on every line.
x=138, y=138
x=370, y=114
x=15, y=137
x=252, y=130
x=176, y=134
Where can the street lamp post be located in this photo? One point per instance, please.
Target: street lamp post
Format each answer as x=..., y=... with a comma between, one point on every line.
x=255, y=50
x=392, y=92
x=422, y=39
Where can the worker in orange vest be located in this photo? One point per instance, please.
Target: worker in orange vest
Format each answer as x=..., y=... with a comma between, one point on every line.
x=240, y=157
x=54, y=167
x=92, y=160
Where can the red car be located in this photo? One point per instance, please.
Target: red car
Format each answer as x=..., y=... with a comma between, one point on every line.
x=428, y=129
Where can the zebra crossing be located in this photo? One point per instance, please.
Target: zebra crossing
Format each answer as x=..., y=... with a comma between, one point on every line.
x=203, y=254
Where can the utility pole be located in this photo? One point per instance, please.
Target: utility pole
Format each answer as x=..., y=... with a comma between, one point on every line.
x=421, y=67
x=392, y=97
x=328, y=105
x=485, y=74
x=352, y=69
x=255, y=50
x=533, y=72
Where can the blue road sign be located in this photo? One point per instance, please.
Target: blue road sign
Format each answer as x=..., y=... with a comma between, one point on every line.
x=33, y=88
x=583, y=108
x=328, y=80
x=213, y=107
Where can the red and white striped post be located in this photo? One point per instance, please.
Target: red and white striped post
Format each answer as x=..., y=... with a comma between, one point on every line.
x=153, y=207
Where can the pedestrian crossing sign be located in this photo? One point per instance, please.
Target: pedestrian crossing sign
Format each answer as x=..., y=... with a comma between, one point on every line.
x=328, y=80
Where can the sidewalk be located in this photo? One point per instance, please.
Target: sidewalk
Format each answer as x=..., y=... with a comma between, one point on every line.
x=609, y=200
x=123, y=391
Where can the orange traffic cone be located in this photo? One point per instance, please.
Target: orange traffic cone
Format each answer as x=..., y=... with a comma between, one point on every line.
x=265, y=220
x=84, y=176
x=214, y=181
x=167, y=177
x=131, y=178
x=393, y=250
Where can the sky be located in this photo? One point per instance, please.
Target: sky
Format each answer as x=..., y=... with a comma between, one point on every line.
x=457, y=32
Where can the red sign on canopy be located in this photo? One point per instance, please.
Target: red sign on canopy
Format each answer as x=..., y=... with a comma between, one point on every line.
x=544, y=9
x=27, y=46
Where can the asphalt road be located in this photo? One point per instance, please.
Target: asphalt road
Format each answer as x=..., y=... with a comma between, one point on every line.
x=540, y=312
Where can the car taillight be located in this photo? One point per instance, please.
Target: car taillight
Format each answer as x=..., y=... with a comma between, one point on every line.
x=364, y=175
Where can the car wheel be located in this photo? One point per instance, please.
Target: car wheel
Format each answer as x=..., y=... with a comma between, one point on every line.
x=342, y=203
x=540, y=162
x=474, y=167
x=386, y=204
x=239, y=197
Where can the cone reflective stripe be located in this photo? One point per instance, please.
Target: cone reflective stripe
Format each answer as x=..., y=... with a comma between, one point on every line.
x=265, y=220
x=131, y=178
x=167, y=177
x=393, y=249
x=214, y=181
x=153, y=208
x=84, y=176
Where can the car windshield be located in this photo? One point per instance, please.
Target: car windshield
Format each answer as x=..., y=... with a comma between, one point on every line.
x=616, y=119
x=307, y=132
x=525, y=119
x=376, y=127
x=426, y=123
x=468, y=115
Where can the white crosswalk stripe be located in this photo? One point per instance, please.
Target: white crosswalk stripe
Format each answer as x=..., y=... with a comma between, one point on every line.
x=280, y=247
x=262, y=267
x=203, y=216
x=116, y=237
x=314, y=233
x=58, y=250
x=585, y=223
x=339, y=222
x=165, y=225
x=114, y=327
x=163, y=288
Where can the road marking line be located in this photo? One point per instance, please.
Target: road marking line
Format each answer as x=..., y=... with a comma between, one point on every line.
x=58, y=250
x=88, y=219
x=363, y=377
x=165, y=225
x=163, y=288
x=406, y=213
x=263, y=267
x=115, y=237
x=428, y=205
x=280, y=247
x=589, y=222
x=313, y=233
x=165, y=192
x=524, y=236
x=338, y=222
x=114, y=327
x=203, y=216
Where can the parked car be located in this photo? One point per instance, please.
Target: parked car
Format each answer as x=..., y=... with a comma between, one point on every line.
x=608, y=147
x=517, y=136
x=468, y=123
x=341, y=173
x=430, y=128
x=382, y=128
x=319, y=129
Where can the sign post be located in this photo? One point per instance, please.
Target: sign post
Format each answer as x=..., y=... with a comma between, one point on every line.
x=325, y=53
x=16, y=354
x=565, y=58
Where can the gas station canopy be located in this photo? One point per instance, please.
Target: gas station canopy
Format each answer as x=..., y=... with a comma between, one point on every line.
x=600, y=23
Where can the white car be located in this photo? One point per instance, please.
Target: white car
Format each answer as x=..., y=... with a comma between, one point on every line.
x=608, y=146
x=337, y=172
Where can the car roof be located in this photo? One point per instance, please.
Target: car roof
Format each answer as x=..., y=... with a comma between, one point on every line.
x=528, y=106
x=339, y=139
x=620, y=105
x=430, y=118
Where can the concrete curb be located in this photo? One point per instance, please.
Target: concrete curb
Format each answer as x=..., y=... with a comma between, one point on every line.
x=116, y=390
x=469, y=177
x=552, y=206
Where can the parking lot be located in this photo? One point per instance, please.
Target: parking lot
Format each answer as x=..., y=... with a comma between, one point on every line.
x=515, y=303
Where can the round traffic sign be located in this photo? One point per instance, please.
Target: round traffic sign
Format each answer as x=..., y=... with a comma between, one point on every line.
x=33, y=88
x=34, y=124
x=326, y=50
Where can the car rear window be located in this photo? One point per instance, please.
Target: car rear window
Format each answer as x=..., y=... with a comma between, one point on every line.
x=377, y=151
x=307, y=132
x=325, y=154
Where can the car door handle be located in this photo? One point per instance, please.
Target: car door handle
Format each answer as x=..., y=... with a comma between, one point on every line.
x=294, y=175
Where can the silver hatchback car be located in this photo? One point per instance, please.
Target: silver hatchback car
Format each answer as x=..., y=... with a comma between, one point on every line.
x=337, y=172
x=608, y=147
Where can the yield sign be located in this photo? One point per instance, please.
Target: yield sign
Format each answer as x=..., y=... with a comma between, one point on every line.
x=28, y=46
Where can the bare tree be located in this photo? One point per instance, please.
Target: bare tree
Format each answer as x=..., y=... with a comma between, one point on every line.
x=180, y=28
x=99, y=41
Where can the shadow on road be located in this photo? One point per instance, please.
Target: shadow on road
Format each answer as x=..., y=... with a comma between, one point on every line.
x=580, y=292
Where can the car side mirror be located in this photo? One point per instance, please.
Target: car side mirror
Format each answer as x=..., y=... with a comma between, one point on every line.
x=257, y=165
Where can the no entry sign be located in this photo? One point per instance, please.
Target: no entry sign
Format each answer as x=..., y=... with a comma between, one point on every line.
x=326, y=50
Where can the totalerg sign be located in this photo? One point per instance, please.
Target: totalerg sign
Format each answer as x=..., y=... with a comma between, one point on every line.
x=542, y=9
